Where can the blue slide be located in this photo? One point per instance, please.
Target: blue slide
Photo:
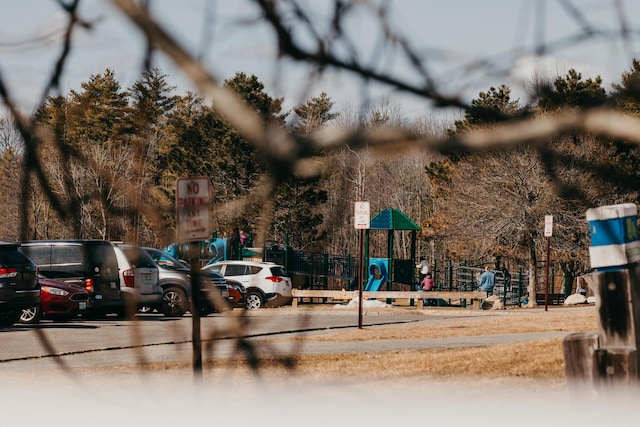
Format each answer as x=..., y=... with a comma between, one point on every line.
x=374, y=284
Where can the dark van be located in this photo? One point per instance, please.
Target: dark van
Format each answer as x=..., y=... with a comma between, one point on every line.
x=91, y=264
x=19, y=288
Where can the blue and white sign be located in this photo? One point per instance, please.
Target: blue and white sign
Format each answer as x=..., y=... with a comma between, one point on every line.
x=614, y=235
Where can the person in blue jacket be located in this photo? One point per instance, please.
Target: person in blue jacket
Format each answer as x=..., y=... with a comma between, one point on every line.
x=487, y=280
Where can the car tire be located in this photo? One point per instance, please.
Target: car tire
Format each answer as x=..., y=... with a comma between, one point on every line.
x=174, y=302
x=7, y=319
x=31, y=315
x=254, y=300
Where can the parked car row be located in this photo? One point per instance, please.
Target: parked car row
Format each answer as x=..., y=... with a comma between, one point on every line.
x=61, y=279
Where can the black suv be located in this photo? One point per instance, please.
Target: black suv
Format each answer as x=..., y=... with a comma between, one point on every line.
x=91, y=264
x=19, y=288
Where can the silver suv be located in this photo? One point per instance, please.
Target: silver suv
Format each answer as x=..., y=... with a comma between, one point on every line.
x=139, y=277
x=266, y=283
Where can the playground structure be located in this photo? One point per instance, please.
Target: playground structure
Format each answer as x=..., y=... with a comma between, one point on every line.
x=322, y=271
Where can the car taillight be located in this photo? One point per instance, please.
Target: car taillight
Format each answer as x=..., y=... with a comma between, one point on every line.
x=128, y=278
x=88, y=285
x=8, y=272
x=275, y=279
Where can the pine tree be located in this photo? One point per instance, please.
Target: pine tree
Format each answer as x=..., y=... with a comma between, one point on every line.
x=572, y=91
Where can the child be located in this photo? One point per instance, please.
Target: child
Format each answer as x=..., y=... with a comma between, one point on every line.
x=428, y=283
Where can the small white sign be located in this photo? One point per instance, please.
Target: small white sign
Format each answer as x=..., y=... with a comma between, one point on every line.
x=192, y=208
x=362, y=216
x=548, y=225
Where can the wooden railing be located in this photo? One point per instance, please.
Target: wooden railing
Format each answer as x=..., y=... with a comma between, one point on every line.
x=475, y=296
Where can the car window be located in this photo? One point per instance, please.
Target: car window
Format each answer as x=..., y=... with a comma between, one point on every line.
x=71, y=255
x=62, y=264
x=38, y=254
x=103, y=259
x=137, y=257
x=13, y=256
x=215, y=268
x=166, y=261
x=235, y=270
x=254, y=270
x=277, y=271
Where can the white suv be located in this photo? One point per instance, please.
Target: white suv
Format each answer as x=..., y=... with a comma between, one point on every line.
x=266, y=283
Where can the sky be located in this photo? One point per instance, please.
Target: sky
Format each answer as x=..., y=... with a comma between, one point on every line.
x=452, y=37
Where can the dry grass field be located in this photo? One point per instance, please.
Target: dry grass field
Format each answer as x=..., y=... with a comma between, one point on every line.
x=531, y=364
x=540, y=361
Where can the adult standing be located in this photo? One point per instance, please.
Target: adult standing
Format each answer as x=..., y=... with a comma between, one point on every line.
x=487, y=280
x=234, y=244
x=423, y=268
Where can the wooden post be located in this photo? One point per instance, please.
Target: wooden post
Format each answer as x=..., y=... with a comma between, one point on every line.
x=578, y=349
x=615, y=282
x=614, y=368
x=546, y=277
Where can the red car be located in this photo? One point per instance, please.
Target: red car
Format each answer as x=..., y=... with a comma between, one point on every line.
x=237, y=293
x=58, y=300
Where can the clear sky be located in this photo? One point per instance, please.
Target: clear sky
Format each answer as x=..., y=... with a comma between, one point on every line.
x=452, y=35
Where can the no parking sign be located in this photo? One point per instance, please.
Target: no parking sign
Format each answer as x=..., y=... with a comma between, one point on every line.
x=362, y=216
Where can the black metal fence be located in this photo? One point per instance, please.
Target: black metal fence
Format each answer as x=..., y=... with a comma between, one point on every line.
x=326, y=271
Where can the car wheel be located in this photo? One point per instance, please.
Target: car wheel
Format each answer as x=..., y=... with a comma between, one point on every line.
x=8, y=318
x=31, y=315
x=254, y=300
x=174, y=302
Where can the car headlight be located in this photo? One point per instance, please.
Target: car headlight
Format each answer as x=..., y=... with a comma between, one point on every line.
x=53, y=291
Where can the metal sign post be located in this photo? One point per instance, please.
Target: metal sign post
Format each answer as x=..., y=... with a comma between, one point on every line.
x=192, y=215
x=548, y=231
x=362, y=221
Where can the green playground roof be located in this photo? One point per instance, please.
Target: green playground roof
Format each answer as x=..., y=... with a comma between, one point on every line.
x=392, y=219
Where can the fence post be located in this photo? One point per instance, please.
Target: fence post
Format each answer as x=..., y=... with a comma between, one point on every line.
x=326, y=270
x=506, y=277
x=520, y=287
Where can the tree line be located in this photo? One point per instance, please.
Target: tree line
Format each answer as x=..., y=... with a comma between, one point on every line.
x=108, y=165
